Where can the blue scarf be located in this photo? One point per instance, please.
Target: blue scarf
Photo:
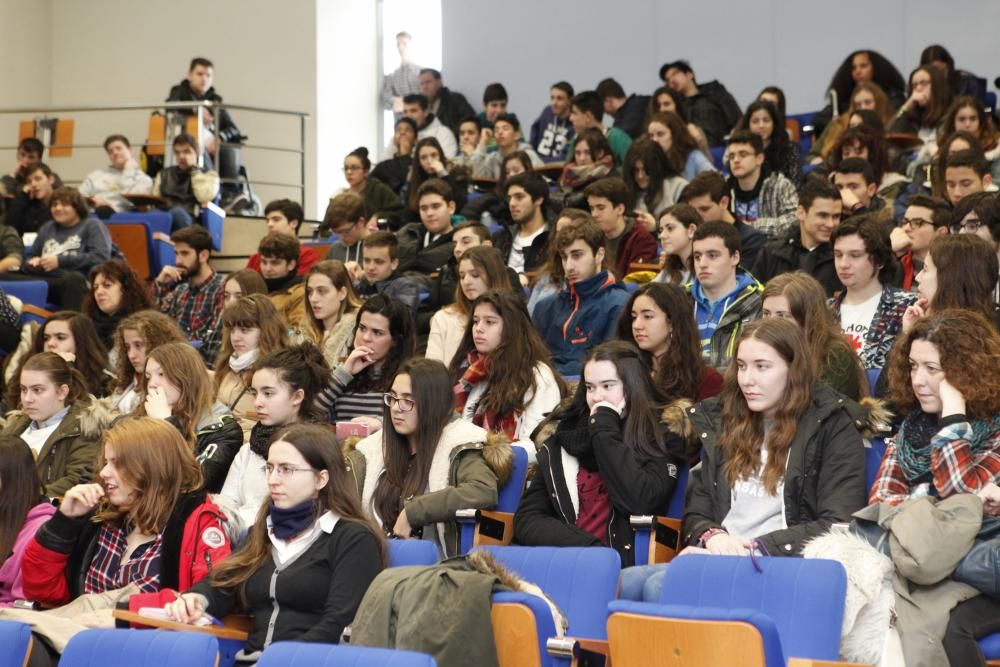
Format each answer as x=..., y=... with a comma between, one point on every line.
x=914, y=449
x=286, y=523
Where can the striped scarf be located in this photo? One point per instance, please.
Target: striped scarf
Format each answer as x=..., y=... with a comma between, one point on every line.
x=478, y=370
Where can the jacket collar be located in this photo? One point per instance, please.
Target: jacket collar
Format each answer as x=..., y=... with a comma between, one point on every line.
x=592, y=285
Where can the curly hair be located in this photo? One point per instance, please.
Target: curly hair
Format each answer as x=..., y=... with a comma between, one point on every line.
x=969, y=348
x=135, y=296
x=155, y=329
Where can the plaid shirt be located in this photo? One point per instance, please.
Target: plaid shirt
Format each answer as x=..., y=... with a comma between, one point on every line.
x=196, y=310
x=107, y=571
x=954, y=466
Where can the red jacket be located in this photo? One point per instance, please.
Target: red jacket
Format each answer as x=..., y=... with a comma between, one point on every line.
x=307, y=257
x=638, y=246
x=57, y=559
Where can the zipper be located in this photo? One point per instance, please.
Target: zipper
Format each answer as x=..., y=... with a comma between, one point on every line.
x=555, y=491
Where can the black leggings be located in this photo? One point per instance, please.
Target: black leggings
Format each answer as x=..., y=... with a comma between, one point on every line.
x=971, y=620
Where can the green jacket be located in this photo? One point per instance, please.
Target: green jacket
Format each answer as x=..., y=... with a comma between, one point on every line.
x=468, y=468
x=69, y=456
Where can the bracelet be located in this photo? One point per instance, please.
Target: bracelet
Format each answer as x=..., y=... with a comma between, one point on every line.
x=709, y=534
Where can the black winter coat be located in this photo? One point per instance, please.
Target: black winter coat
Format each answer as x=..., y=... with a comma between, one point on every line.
x=547, y=516
x=535, y=255
x=824, y=476
x=788, y=254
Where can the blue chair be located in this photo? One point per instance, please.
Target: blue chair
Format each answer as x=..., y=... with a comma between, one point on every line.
x=412, y=552
x=213, y=218
x=874, y=452
x=873, y=375
x=148, y=648
x=717, y=153
x=581, y=581
x=495, y=527
x=15, y=638
x=991, y=648
x=790, y=607
x=657, y=538
x=632, y=288
x=161, y=253
x=303, y=654
x=991, y=101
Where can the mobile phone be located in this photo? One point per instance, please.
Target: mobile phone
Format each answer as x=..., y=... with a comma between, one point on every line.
x=351, y=429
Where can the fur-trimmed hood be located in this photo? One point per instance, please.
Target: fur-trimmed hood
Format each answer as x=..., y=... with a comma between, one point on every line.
x=92, y=415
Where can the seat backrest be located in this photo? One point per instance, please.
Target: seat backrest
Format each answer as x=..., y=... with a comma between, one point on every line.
x=307, y=654
x=873, y=376
x=158, y=221
x=148, y=648
x=214, y=218
x=510, y=493
x=132, y=239
x=412, y=552
x=35, y=292
x=15, y=638
x=804, y=597
x=675, y=509
x=874, y=451
x=580, y=580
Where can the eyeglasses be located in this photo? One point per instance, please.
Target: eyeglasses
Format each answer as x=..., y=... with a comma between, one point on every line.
x=916, y=223
x=404, y=404
x=283, y=469
x=970, y=226
x=352, y=167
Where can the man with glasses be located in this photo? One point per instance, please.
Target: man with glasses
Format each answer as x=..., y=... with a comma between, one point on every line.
x=925, y=218
x=284, y=216
x=764, y=200
x=979, y=214
x=345, y=217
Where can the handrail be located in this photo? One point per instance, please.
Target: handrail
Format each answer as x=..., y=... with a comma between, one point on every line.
x=157, y=105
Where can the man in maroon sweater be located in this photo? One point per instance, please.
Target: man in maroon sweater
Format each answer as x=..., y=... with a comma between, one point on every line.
x=626, y=241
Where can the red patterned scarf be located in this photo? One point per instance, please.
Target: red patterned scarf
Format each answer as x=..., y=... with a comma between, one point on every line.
x=478, y=371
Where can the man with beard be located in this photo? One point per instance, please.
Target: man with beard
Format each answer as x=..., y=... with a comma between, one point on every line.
x=279, y=255
x=524, y=245
x=190, y=292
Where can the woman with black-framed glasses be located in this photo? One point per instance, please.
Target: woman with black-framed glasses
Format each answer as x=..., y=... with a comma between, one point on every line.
x=425, y=463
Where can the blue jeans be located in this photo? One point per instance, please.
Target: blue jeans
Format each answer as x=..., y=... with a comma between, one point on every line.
x=179, y=218
x=642, y=583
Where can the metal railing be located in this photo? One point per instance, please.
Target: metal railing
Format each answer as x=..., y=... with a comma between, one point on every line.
x=176, y=121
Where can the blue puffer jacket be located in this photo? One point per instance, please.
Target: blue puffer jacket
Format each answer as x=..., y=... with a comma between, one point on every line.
x=578, y=318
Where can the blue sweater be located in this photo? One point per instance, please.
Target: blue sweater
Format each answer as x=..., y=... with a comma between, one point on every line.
x=578, y=318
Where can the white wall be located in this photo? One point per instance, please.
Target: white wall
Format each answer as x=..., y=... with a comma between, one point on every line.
x=796, y=44
x=25, y=55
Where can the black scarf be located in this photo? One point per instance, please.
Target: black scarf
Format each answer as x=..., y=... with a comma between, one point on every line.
x=106, y=325
x=260, y=436
x=286, y=523
x=573, y=436
x=281, y=284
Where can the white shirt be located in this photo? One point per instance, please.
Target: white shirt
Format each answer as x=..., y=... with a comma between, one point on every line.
x=37, y=434
x=516, y=259
x=856, y=320
x=285, y=551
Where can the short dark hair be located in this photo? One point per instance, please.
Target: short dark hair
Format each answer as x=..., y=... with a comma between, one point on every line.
x=724, y=231
x=433, y=72
x=585, y=229
x=31, y=145
x=383, y=240
x=436, y=186
x=346, y=207
x=746, y=137
x=203, y=62
x=116, y=137
x=710, y=183
x=857, y=165
x=71, y=196
x=980, y=202
x=292, y=211
x=195, y=236
x=681, y=65
x=38, y=166
x=530, y=182
x=280, y=246
x=610, y=88
x=589, y=102
x=185, y=139
x=477, y=227
x=417, y=98
x=974, y=160
x=409, y=121
x=508, y=118
x=940, y=209
x=814, y=188
x=563, y=86
x=611, y=188
x=470, y=119
x=875, y=236
x=495, y=92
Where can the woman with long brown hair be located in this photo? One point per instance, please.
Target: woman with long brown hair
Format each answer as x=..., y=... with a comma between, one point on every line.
x=59, y=420
x=331, y=309
x=677, y=226
x=23, y=510
x=960, y=271
x=311, y=554
x=115, y=293
x=252, y=328
x=429, y=161
x=480, y=269
x=658, y=320
x=681, y=148
x=928, y=99
x=426, y=463
x=175, y=387
x=867, y=96
x=504, y=378
x=243, y=283
x=800, y=298
x=773, y=428
x=137, y=335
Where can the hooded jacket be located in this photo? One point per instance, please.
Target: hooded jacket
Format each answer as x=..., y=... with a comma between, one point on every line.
x=68, y=456
x=824, y=479
x=742, y=309
x=217, y=438
x=788, y=255
x=551, y=136
x=58, y=558
x=547, y=514
x=579, y=317
x=11, y=572
x=468, y=468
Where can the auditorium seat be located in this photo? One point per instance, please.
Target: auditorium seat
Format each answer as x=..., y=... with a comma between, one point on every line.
x=412, y=552
x=657, y=538
x=303, y=654
x=140, y=648
x=495, y=527
x=15, y=638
